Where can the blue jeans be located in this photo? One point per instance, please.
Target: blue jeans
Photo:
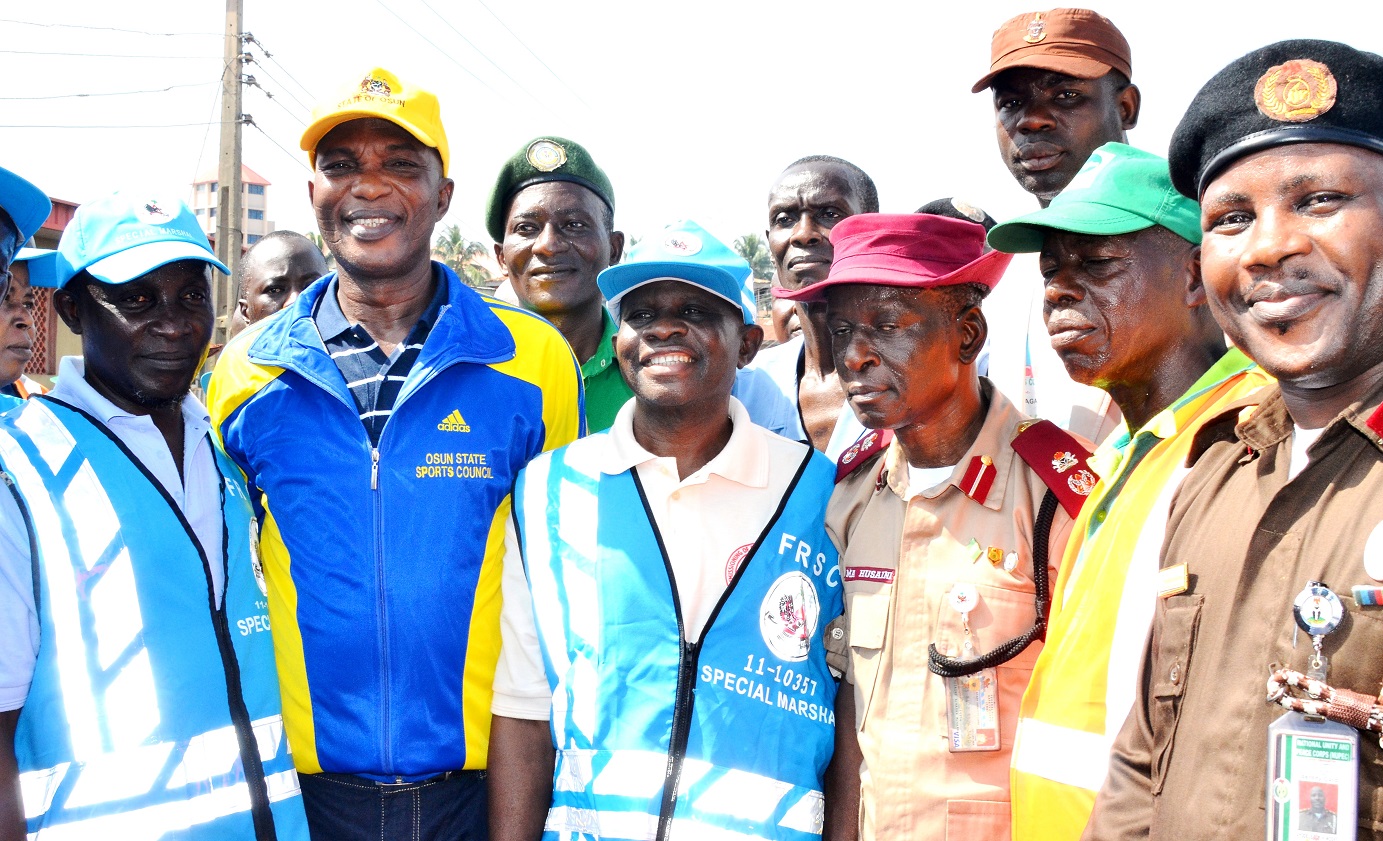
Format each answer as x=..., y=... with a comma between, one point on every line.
x=344, y=807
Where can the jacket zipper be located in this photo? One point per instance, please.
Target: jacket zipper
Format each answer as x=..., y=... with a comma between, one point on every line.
x=386, y=742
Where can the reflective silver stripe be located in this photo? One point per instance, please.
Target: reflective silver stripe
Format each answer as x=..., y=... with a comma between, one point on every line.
x=637, y=826
x=131, y=710
x=132, y=772
x=1060, y=754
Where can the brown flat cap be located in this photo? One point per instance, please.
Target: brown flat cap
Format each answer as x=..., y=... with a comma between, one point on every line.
x=1077, y=42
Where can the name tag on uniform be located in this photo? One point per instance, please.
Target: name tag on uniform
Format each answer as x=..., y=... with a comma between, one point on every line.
x=972, y=711
x=1172, y=581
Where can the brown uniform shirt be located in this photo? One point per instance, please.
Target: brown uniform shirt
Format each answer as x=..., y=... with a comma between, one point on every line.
x=900, y=559
x=1191, y=759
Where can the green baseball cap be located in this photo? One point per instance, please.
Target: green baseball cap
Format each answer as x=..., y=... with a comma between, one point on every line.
x=547, y=158
x=1119, y=190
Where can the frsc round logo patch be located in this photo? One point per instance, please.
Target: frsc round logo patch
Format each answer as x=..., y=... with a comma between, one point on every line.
x=789, y=615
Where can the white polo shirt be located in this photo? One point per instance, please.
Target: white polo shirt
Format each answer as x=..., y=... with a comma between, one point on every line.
x=708, y=522
x=197, y=493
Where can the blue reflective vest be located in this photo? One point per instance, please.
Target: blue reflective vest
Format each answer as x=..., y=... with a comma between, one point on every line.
x=152, y=713
x=656, y=737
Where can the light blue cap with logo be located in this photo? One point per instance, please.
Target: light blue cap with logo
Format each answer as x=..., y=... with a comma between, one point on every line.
x=682, y=251
x=127, y=235
x=27, y=205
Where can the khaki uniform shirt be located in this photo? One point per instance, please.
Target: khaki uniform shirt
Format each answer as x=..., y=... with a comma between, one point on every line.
x=900, y=559
x=1190, y=762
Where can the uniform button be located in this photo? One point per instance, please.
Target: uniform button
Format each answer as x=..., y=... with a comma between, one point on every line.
x=1175, y=675
x=1100, y=515
x=837, y=633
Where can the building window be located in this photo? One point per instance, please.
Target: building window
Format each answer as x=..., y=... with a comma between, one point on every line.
x=211, y=212
x=214, y=186
x=256, y=214
x=253, y=238
x=255, y=189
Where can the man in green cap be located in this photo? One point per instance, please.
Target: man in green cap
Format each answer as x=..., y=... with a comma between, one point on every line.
x=552, y=214
x=1127, y=313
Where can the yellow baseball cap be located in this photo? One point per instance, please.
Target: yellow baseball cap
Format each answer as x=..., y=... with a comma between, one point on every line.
x=380, y=94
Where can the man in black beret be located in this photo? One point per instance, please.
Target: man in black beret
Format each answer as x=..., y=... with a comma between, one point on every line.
x=1274, y=552
x=552, y=214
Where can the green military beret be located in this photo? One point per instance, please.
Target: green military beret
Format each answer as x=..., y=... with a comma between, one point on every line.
x=544, y=159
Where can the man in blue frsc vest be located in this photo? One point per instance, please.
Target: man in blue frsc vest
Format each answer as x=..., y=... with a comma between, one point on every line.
x=666, y=587
x=136, y=669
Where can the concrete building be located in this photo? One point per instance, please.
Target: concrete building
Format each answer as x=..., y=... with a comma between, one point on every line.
x=255, y=203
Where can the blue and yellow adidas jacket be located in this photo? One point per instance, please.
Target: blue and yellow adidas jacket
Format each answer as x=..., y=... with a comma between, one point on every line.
x=383, y=564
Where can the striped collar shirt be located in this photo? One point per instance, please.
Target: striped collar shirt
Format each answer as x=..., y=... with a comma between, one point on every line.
x=373, y=377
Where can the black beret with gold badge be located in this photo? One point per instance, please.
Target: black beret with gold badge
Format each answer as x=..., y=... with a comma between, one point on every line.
x=542, y=159
x=1300, y=91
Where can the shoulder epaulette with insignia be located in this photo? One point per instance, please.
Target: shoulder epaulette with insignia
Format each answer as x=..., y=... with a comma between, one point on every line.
x=1058, y=459
x=859, y=452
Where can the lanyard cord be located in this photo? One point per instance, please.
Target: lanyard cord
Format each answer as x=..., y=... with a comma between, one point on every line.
x=945, y=666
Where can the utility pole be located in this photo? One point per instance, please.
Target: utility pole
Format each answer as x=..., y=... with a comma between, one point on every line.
x=229, y=201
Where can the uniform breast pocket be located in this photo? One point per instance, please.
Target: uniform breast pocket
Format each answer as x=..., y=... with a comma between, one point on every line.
x=1173, y=643
x=867, y=608
x=998, y=615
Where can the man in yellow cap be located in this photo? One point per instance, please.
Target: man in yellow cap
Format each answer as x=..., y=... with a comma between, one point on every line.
x=381, y=420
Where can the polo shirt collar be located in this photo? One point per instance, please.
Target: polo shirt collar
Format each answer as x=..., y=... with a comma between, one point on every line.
x=73, y=389
x=1170, y=421
x=743, y=460
x=332, y=322
x=604, y=357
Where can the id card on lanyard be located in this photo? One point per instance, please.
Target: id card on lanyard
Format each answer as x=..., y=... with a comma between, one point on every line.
x=1313, y=764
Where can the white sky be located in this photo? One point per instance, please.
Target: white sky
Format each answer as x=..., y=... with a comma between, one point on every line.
x=692, y=108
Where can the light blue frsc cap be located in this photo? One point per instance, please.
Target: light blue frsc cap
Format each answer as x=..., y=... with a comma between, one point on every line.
x=127, y=235
x=682, y=251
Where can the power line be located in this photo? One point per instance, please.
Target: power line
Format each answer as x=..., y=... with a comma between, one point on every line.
x=296, y=158
x=252, y=82
x=472, y=45
x=161, y=125
x=251, y=59
x=105, y=28
x=249, y=38
x=104, y=93
x=98, y=55
x=215, y=98
x=448, y=55
x=539, y=59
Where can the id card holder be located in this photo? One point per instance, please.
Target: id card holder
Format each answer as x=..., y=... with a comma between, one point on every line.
x=972, y=711
x=1313, y=780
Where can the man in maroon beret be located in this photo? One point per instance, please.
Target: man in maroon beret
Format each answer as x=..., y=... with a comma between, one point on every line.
x=950, y=516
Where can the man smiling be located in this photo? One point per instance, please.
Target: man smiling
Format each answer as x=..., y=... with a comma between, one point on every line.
x=552, y=214
x=667, y=585
x=1284, y=148
x=381, y=419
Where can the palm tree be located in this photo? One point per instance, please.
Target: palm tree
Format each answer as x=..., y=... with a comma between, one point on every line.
x=460, y=255
x=754, y=250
